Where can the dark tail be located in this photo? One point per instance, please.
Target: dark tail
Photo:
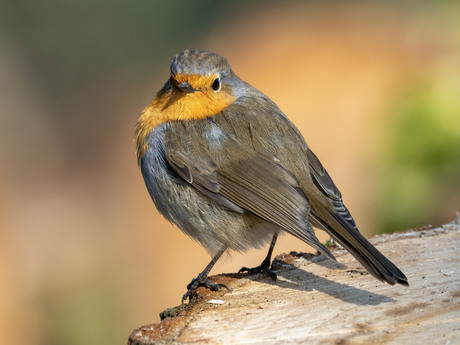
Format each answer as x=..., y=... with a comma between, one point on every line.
x=374, y=261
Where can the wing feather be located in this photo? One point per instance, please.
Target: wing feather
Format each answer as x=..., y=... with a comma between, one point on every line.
x=256, y=183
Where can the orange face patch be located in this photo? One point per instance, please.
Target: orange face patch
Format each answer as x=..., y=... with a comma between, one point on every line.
x=176, y=105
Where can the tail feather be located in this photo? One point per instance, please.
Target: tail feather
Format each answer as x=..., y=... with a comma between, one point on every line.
x=374, y=261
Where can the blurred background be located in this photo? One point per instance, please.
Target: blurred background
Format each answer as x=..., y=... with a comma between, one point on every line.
x=84, y=256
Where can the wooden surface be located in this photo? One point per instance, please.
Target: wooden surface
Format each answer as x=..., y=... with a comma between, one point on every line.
x=317, y=301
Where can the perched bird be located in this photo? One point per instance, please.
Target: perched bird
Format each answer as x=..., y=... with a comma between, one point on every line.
x=222, y=162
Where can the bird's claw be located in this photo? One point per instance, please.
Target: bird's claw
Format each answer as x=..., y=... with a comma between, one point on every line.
x=260, y=269
x=201, y=280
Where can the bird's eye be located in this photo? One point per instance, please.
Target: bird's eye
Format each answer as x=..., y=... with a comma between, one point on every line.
x=216, y=84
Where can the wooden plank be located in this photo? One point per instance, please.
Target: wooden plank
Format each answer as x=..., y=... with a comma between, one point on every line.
x=317, y=301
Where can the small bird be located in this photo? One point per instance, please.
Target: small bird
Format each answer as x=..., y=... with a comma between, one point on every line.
x=224, y=163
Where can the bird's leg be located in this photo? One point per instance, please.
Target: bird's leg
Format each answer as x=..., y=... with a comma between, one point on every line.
x=203, y=280
x=265, y=265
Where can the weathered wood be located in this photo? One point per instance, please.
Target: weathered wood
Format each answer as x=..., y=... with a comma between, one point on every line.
x=317, y=301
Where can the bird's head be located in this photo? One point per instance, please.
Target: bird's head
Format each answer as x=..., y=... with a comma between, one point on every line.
x=201, y=84
x=201, y=71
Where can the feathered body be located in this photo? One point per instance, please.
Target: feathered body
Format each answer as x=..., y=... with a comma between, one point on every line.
x=222, y=162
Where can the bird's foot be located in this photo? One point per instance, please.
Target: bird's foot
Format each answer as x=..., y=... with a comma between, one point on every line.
x=264, y=267
x=202, y=280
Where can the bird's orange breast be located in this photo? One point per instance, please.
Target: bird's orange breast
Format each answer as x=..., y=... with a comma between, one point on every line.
x=179, y=106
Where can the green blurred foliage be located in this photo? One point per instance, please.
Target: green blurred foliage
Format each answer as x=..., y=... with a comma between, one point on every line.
x=89, y=311
x=421, y=181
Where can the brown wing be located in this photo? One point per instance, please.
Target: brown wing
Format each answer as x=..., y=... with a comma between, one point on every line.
x=255, y=183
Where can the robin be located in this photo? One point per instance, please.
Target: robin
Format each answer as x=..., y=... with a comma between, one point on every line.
x=224, y=163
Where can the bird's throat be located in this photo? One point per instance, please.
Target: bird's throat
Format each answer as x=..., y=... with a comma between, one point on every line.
x=178, y=106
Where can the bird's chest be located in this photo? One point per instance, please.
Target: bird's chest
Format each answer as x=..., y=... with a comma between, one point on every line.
x=196, y=141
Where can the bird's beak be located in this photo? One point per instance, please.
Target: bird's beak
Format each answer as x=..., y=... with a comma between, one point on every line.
x=186, y=88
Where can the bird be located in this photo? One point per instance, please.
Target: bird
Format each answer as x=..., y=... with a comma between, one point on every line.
x=223, y=163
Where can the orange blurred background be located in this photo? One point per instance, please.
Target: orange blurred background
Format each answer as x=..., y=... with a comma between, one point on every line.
x=84, y=256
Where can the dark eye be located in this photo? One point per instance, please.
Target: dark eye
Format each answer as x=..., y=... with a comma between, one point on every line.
x=216, y=84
